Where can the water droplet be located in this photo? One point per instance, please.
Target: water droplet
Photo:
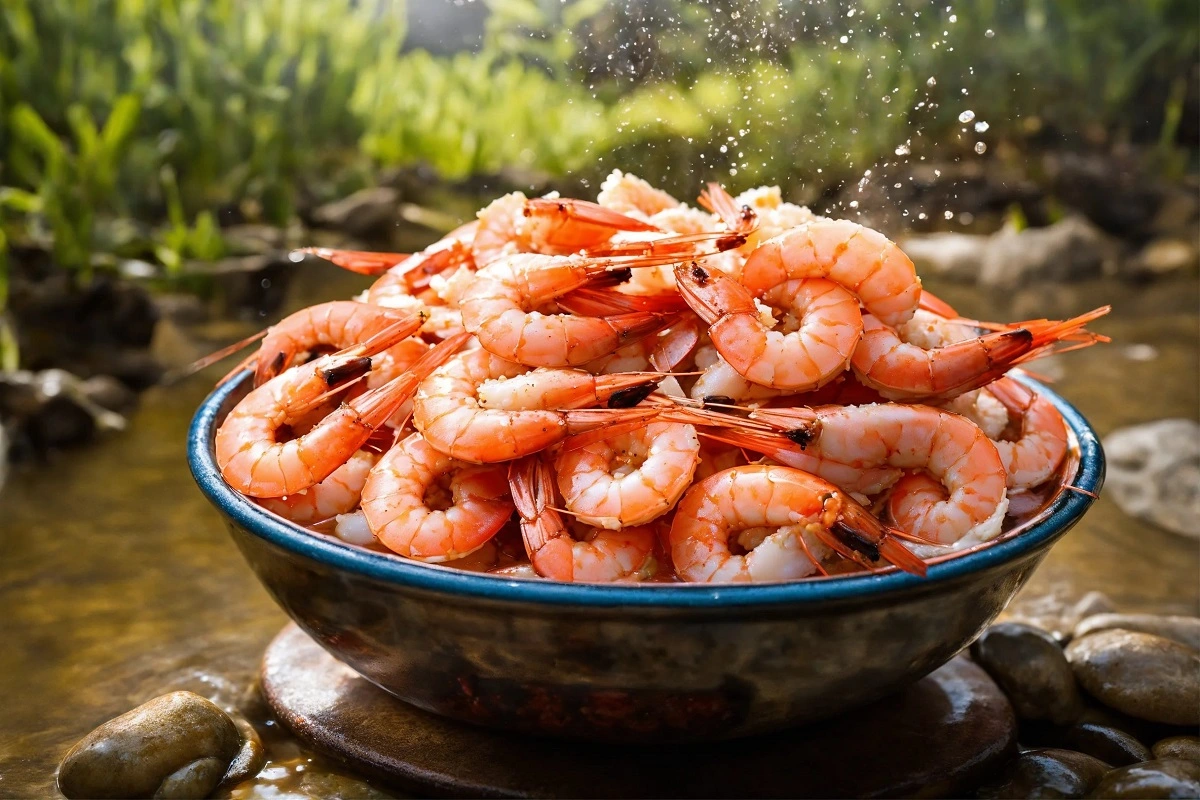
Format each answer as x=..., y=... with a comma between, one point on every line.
x=981, y=127
x=887, y=98
x=948, y=214
x=903, y=149
x=932, y=82
x=954, y=17
x=724, y=149
x=733, y=170
x=966, y=116
x=844, y=39
x=989, y=33
x=980, y=148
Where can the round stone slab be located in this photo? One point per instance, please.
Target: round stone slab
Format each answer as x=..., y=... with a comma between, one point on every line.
x=938, y=737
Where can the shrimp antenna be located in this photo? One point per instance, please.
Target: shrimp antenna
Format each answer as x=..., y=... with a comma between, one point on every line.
x=1081, y=490
x=212, y=358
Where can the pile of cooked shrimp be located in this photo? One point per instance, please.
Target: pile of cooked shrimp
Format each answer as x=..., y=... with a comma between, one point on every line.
x=639, y=390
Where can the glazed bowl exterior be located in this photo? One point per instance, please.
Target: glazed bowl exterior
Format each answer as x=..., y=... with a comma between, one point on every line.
x=669, y=662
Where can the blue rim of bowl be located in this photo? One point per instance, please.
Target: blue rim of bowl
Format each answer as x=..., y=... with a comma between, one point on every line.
x=1052, y=522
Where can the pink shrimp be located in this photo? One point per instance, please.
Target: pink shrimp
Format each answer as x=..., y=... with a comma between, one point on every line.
x=774, y=512
x=483, y=409
x=626, y=554
x=1040, y=446
x=902, y=371
x=826, y=320
x=339, y=493
x=427, y=506
x=338, y=324
x=863, y=261
x=251, y=451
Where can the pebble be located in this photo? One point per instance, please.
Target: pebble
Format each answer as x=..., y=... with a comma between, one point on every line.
x=1164, y=777
x=1185, y=747
x=176, y=745
x=1046, y=773
x=1185, y=630
x=1108, y=744
x=1146, y=676
x=1154, y=473
x=250, y=758
x=1031, y=669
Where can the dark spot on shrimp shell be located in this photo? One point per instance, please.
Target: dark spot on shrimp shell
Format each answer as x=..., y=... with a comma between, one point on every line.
x=718, y=400
x=698, y=274
x=349, y=369
x=278, y=362
x=803, y=436
x=731, y=241
x=628, y=398
x=856, y=541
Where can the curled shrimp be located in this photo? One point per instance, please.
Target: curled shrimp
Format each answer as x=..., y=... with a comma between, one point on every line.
x=1040, y=446
x=796, y=510
x=483, y=409
x=866, y=448
x=629, y=479
x=900, y=370
x=412, y=278
x=338, y=324
x=251, y=449
x=427, y=506
x=338, y=494
x=822, y=326
x=603, y=556
x=626, y=193
x=863, y=261
x=500, y=309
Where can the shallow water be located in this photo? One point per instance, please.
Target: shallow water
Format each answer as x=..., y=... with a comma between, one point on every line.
x=118, y=582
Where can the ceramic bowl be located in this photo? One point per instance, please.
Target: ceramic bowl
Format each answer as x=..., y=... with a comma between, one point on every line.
x=669, y=662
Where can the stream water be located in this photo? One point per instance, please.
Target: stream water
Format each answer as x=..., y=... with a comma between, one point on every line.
x=118, y=582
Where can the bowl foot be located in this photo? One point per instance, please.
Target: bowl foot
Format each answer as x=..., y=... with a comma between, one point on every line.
x=938, y=737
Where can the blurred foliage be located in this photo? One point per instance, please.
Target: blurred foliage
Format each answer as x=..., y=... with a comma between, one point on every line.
x=187, y=113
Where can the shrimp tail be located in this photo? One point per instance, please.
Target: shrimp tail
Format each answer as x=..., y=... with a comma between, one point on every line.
x=671, y=249
x=936, y=305
x=1015, y=397
x=860, y=537
x=584, y=212
x=674, y=346
x=588, y=426
x=593, y=301
x=1051, y=333
x=712, y=295
x=542, y=530
x=740, y=219
x=626, y=389
x=637, y=325
x=363, y=262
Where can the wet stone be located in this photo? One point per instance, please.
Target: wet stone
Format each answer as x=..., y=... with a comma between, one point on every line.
x=1106, y=743
x=1185, y=630
x=1164, y=777
x=1154, y=473
x=1046, y=773
x=176, y=745
x=1142, y=675
x=1029, y=665
x=250, y=757
x=1185, y=747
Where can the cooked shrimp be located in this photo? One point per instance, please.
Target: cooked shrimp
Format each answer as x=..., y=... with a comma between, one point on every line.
x=797, y=509
x=717, y=456
x=1040, y=446
x=427, y=506
x=250, y=450
x=338, y=494
x=820, y=328
x=628, y=479
x=338, y=324
x=863, y=261
x=775, y=216
x=483, y=409
x=902, y=371
x=604, y=556
x=550, y=225
x=865, y=448
x=412, y=277
x=500, y=308
x=720, y=383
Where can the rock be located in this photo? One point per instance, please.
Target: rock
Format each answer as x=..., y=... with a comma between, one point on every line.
x=1046, y=773
x=176, y=745
x=250, y=757
x=1112, y=189
x=1185, y=630
x=1091, y=604
x=1031, y=669
x=1162, y=257
x=1177, y=213
x=1106, y=743
x=108, y=392
x=1068, y=250
x=182, y=309
x=243, y=240
x=1154, y=473
x=1142, y=675
x=1164, y=777
x=1185, y=747
x=366, y=212
x=954, y=256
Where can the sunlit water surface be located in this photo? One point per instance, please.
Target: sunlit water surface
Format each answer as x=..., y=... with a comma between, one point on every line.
x=118, y=581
